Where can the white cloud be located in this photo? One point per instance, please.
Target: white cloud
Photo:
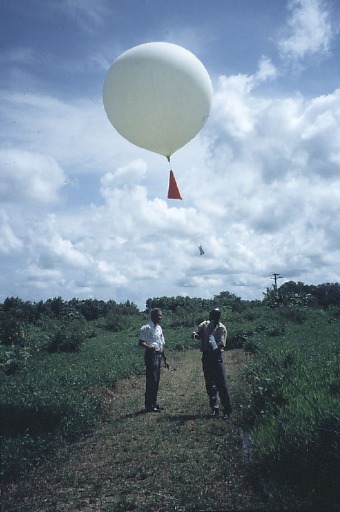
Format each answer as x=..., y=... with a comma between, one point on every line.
x=310, y=30
x=255, y=196
x=77, y=136
x=321, y=132
x=260, y=187
x=266, y=70
x=9, y=242
x=29, y=176
x=124, y=176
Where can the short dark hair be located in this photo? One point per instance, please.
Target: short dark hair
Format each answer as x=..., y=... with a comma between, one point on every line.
x=154, y=311
x=215, y=314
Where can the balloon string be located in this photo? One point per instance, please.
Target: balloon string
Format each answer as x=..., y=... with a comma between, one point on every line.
x=168, y=159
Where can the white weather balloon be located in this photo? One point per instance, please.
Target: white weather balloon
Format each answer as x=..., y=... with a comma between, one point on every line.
x=158, y=96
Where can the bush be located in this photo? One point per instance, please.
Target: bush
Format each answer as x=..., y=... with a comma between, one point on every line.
x=114, y=321
x=12, y=331
x=67, y=336
x=13, y=360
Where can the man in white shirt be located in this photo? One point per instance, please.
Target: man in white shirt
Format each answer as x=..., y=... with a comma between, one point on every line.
x=152, y=340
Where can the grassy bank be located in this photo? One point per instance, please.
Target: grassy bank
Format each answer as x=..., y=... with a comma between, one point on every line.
x=290, y=406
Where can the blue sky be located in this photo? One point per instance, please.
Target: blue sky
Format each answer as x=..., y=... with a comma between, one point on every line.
x=84, y=213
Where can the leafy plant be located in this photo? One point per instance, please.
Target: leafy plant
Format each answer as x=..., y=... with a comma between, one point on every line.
x=67, y=336
x=13, y=359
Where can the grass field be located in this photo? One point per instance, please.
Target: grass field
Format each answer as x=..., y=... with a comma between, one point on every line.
x=77, y=437
x=179, y=459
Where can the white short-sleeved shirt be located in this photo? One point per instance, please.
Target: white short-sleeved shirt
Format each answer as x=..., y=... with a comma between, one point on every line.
x=152, y=334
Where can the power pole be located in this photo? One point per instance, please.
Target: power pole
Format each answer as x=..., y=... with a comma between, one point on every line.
x=276, y=277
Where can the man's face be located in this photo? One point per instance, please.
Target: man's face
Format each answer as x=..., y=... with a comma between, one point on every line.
x=157, y=317
x=214, y=317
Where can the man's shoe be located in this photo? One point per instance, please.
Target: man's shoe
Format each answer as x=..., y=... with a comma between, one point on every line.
x=159, y=407
x=152, y=409
x=226, y=415
x=215, y=413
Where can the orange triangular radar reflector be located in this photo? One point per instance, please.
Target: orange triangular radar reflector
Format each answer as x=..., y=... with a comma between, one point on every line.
x=173, y=192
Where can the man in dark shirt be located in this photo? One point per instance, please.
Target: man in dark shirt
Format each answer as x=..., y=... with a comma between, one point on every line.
x=213, y=336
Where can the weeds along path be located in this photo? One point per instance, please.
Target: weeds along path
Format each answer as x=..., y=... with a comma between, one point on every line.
x=177, y=460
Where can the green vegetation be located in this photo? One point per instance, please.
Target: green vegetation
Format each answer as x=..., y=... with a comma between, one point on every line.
x=291, y=404
x=59, y=359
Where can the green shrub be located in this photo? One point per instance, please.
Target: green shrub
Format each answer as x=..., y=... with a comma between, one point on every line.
x=12, y=331
x=67, y=336
x=114, y=321
x=13, y=359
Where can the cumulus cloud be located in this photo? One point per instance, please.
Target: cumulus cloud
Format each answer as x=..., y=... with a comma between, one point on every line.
x=124, y=176
x=75, y=132
x=261, y=194
x=260, y=187
x=27, y=176
x=310, y=30
x=266, y=70
x=9, y=242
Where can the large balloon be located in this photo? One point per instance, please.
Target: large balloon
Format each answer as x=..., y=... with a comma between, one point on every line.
x=158, y=96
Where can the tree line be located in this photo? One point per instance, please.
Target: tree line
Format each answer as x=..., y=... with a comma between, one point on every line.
x=16, y=313
x=290, y=293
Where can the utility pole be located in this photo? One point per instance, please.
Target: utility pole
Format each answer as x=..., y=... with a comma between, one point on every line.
x=276, y=277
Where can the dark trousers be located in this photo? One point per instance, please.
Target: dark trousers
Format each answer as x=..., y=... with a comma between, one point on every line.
x=153, y=374
x=216, y=380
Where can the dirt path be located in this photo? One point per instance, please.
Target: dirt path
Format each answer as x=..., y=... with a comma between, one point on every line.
x=177, y=460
